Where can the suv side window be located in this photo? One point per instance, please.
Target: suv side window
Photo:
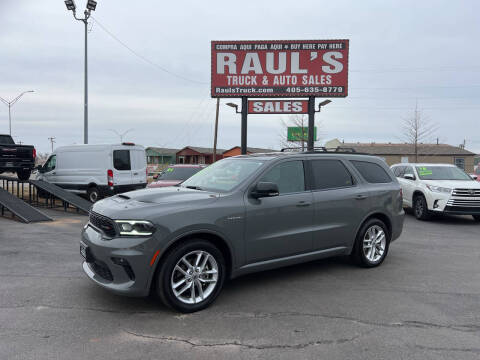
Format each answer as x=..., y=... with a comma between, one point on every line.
x=371, y=172
x=408, y=170
x=330, y=174
x=121, y=160
x=289, y=176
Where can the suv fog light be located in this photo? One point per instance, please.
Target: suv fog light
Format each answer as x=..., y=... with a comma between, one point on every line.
x=119, y=261
x=435, y=204
x=126, y=266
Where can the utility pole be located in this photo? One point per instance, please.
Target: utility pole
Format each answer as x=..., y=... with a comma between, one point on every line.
x=216, y=132
x=91, y=5
x=52, y=140
x=10, y=104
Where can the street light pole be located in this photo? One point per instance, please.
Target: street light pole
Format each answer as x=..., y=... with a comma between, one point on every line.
x=311, y=120
x=10, y=104
x=85, y=86
x=91, y=5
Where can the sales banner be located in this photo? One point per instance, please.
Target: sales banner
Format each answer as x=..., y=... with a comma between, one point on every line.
x=286, y=68
x=278, y=106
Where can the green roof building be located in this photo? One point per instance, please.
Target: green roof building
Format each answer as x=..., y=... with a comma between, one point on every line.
x=160, y=156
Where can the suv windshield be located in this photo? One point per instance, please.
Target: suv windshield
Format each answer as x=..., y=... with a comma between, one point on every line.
x=223, y=175
x=178, y=173
x=441, y=173
x=6, y=140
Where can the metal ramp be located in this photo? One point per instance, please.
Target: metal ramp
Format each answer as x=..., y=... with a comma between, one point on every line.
x=20, y=208
x=63, y=195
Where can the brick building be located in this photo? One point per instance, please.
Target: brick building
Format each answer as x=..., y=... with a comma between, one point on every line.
x=197, y=155
x=402, y=153
x=237, y=150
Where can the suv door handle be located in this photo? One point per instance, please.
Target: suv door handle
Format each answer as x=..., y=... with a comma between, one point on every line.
x=135, y=173
x=361, y=197
x=303, y=203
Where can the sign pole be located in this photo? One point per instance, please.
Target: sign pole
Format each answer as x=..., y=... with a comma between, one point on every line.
x=216, y=132
x=244, y=124
x=311, y=123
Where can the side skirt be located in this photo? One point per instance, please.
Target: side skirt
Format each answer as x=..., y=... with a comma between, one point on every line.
x=289, y=260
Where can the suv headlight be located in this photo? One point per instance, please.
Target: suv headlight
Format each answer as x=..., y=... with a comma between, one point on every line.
x=135, y=227
x=439, y=189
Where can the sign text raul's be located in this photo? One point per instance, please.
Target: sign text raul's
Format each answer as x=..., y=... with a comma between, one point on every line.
x=280, y=68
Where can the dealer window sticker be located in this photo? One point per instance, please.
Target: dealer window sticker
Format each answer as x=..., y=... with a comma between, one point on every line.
x=424, y=171
x=169, y=170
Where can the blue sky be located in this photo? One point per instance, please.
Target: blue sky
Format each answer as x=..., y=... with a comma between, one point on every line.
x=400, y=52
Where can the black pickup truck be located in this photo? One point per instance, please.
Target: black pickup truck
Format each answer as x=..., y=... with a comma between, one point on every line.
x=16, y=158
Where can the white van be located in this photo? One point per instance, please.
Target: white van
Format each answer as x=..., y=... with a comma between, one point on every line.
x=96, y=170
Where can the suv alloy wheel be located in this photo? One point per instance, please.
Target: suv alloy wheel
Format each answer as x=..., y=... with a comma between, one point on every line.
x=371, y=245
x=191, y=276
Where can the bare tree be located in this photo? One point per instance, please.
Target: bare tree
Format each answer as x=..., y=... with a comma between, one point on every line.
x=297, y=120
x=417, y=129
x=41, y=158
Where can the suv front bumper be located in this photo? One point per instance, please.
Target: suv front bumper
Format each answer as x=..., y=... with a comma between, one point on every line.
x=449, y=204
x=121, y=265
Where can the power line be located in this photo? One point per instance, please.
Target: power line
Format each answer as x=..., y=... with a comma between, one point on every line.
x=140, y=56
x=415, y=87
x=429, y=69
x=404, y=108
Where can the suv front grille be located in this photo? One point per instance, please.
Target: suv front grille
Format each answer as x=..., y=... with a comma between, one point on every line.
x=103, y=223
x=466, y=192
x=475, y=203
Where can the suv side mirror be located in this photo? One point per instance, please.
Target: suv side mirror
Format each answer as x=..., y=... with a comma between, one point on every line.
x=409, y=176
x=265, y=189
x=474, y=177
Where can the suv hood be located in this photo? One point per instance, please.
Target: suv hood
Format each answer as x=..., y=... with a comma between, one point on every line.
x=142, y=204
x=454, y=184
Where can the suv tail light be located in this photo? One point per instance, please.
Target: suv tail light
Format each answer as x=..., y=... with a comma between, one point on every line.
x=401, y=194
x=110, y=177
x=34, y=153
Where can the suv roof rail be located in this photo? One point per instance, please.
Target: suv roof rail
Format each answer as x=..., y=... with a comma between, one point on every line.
x=323, y=149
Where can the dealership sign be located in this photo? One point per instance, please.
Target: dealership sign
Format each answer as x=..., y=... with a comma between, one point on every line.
x=280, y=68
x=278, y=106
x=298, y=133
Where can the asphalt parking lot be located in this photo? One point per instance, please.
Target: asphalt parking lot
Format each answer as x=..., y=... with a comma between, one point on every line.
x=422, y=303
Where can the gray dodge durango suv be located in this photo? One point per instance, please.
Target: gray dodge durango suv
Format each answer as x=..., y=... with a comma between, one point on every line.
x=241, y=215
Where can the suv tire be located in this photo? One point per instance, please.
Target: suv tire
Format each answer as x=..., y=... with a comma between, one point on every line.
x=23, y=175
x=372, y=236
x=93, y=194
x=476, y=217
x=182, y=284
x=420, y=208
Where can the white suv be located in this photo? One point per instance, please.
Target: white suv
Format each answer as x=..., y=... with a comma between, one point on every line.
x=438, y=188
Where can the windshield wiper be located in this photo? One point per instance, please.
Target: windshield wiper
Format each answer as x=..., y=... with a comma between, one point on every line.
x=193, y=187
